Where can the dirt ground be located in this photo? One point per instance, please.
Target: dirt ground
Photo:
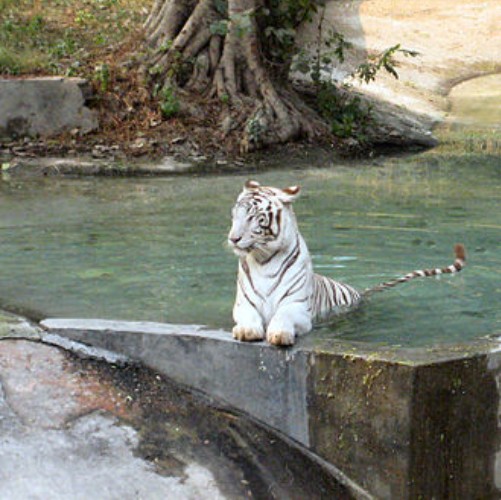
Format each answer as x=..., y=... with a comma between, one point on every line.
x=456, y=40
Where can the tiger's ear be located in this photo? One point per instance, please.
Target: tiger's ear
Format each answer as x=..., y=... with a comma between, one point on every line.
x=289, y=194
x=251, y=185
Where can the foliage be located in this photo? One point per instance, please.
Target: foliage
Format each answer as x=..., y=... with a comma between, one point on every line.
x=279, y=21
x=169, y=102
x=102, y=76
x=219, y=27
x=368, y=71
x=255, y=129
x=327, y=52
x=346, y=114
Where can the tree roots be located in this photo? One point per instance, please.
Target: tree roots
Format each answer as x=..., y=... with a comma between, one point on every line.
x=197, y=47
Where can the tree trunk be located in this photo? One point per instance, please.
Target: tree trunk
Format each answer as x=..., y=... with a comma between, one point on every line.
x=215, y=48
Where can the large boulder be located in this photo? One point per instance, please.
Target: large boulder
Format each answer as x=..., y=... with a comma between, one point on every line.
x=44, y=107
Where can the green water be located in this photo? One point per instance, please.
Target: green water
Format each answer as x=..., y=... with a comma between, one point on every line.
x=154, y=249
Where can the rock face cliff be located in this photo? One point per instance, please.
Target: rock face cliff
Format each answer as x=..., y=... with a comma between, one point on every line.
x=456, y=40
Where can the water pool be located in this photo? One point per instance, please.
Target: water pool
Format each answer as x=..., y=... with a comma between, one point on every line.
x=154, y=248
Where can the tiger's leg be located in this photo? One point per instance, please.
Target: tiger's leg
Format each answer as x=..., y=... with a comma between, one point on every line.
x=289, y=320
x=249, y=324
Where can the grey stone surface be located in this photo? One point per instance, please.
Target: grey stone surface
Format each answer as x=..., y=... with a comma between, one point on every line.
x=92, y=458
x=418, y=424
x=36, y=167
x=83, y=350
x=44, y=107
x=269, y=384
x=74, y=428
x=61, y=435
x=13, y=326
x=169, y=165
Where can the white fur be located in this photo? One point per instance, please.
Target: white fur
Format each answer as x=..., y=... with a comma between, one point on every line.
x=276, y=287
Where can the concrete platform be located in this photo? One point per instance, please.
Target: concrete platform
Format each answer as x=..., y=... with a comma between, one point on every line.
x=398, y=424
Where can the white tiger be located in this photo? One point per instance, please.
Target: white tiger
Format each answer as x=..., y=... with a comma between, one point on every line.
x=278, y=294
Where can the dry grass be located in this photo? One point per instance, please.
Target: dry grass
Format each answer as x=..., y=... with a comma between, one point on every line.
x=65, y=37
x=100, y=40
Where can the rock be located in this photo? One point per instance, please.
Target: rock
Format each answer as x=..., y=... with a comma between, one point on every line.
x=13, y=326
x=171, y=165
x=74, y=428
x=103, y=162
x=178, y=140
x=227, y=125
x=372, y=414
x=44, y=107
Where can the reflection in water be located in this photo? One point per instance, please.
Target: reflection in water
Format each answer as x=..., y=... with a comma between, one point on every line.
x=154, y=249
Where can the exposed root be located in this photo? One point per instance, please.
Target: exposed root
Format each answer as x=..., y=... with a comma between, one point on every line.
x=230, y=67
x=166, y=19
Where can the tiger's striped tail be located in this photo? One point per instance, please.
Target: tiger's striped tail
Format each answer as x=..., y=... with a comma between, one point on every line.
x=457, y=266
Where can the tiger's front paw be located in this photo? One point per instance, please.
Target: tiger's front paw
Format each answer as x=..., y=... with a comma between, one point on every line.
x=245, y=334
x=280, y=337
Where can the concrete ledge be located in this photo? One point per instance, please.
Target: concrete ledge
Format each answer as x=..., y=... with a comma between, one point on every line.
x=269, y=384
x=425, y=425
x=44, y=106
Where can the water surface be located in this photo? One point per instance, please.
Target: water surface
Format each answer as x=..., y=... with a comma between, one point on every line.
x=154, y=249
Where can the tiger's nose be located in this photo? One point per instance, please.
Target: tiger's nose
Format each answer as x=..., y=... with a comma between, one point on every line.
x=235, y=239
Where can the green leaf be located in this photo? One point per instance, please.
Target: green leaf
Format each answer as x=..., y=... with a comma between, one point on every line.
x=219, y=27
x=221, y=7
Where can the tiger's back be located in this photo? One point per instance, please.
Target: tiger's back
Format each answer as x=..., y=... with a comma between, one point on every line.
x=331, y=297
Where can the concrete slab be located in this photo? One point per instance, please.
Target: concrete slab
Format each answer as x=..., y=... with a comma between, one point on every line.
x=268, y=384
x=44, y=107
x=420, y=423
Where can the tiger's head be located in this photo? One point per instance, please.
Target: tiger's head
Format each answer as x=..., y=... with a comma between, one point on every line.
x=262, y=219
